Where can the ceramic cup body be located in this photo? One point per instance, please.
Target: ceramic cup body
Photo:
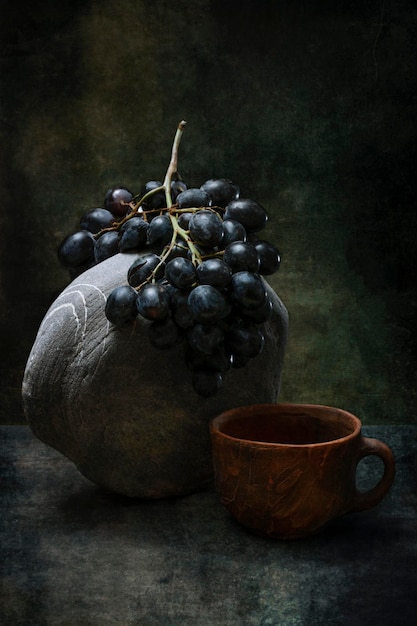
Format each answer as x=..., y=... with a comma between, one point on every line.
x=287, y=470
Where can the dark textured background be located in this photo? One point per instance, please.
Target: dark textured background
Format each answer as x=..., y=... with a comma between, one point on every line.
x=309, y=106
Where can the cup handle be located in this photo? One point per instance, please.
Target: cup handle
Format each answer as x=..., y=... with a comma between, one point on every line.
x=368, y=499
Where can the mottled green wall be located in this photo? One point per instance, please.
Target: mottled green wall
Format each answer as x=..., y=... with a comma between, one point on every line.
x=309, y=106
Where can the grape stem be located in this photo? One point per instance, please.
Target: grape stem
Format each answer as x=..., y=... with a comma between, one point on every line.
x=195, y=255
x=172, y=169
x=144, y=198
x=173, y=164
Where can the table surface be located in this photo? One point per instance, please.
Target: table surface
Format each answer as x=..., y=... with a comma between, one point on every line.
x=72, y=554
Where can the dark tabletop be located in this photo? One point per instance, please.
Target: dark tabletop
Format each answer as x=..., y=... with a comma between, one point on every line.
x=72, y=554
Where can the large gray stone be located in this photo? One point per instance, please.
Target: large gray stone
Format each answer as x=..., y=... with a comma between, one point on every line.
x=124, y=412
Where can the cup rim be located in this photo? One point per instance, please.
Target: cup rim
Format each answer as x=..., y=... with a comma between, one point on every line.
x=271, y=407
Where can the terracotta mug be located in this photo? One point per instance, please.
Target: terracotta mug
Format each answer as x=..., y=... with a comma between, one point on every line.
x=287, y=470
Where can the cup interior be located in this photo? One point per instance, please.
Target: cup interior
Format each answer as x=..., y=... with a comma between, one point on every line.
x=292, y=425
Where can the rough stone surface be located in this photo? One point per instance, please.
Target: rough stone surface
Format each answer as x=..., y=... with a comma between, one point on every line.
x=124, y=412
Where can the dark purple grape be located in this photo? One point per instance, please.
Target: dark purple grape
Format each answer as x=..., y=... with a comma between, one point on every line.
x=183, y=317
x=205, y=338
x=241, y=256
x=143, y=268
x=248, y=212
x=207, y=304
x=133, y=234
x=259, y=315
x=184, y=220
x=153, y=301
x=193, y=198
x=164, y=334
x=96, y=219
x=158, y=199
x=218, y=360
x=248, y=290
x=206, y=228
x=77, y=249
x=233, y=231
x=121, y=306
x=269, y=257
x=179, y=307
x=107, y=245
x=117, y=201
x=170, y=288
x=180, y=272
x=207, y=382
x=180, y=248
x=214, y=272
x=177, y=187
x=221, y=191
x=160, y=232
x=245, y=339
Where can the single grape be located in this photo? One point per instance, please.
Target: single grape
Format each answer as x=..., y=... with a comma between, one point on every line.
x=180, y=272
x=206, y=228
x=158, y=199
x=120, y=306
x=133, y=234
x=233, y=231
x=207, y=382
x=218, y=360
x=77, y=249
x=160, y=232
x=184, y=220
x=117, y=201
x=107, y=245
x=221, y=191
x=143, y=268
x=170, y=288
x=192, y=198
x=180, y=248
x=248, y=290
x=245, y=339
x=177, y=187
x=259, y=315
x=164, y=334
x=214, y=272
x=241, y=256
x=153, y=301
x=248, y=212
x=96, y=219
x=207, y=304
x=179, y=306
x=205, y=338
x=269, y=257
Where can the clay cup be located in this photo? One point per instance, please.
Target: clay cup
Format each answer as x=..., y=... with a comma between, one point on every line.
x=288, y=470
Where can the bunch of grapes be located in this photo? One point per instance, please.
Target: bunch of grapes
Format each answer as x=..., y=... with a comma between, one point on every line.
x=199, y=278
